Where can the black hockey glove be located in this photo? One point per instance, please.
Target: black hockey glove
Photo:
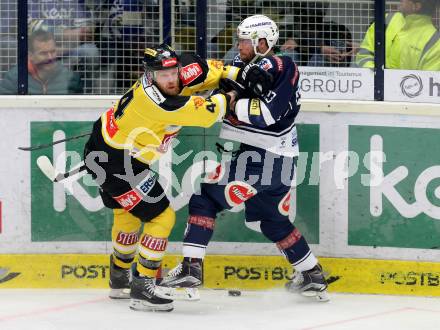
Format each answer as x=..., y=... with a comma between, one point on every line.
x=227, y=85
x=255, y=80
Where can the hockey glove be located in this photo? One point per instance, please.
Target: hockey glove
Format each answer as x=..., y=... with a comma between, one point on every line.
x=228, y=85
x=255, y=79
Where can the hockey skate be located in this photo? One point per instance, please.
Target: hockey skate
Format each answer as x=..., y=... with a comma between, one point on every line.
x=143, y=296
x=181, y=282
x=187, y=274
x=119, y=281
x=309, y=283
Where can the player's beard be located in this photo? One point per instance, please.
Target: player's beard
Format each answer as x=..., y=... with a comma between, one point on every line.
x=246, y=58
x=170, y=87
x=171, y=90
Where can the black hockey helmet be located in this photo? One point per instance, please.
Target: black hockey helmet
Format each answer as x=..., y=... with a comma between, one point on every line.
x=160, y=58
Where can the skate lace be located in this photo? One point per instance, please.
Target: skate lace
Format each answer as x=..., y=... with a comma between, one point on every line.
x=149, y=286
x=175, y=271
x=297, y=278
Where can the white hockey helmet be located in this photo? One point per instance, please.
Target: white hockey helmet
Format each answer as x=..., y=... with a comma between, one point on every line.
x=258, y=27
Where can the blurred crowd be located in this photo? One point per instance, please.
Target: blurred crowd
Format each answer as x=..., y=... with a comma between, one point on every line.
x=95, y=47
x=99, y=43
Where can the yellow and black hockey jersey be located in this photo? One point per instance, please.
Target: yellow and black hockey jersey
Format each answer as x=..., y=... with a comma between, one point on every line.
x=145, y=121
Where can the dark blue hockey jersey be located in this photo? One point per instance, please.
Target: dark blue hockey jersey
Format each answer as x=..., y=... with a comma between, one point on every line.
x=269, y=122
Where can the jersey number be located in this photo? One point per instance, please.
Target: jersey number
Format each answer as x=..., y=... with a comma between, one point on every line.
x=125, y=100
x=211, y=106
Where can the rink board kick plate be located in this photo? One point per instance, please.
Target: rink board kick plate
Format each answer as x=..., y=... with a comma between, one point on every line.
x=229, y=272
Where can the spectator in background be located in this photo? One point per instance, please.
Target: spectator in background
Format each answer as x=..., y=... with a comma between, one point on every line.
x=312, y=41
x=231, y=53
x=224, y=44
x=46, y=75
x=334, y=47
x=237, y=10
x=305, y=26
x=72, y=26
x=411, y=40
x=123, y=27
x=289, y=48
x=186, y=12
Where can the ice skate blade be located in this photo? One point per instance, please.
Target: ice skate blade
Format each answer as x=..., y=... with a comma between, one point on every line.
x=321, y=296
x=184, y=282
x=145, y=306
x=119, y=293
x=188, y=294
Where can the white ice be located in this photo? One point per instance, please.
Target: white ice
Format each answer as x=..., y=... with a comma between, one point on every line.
x=253, y=310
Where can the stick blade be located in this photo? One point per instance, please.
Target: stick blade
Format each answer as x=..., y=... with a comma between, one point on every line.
x=25, y=148
x=43, y=162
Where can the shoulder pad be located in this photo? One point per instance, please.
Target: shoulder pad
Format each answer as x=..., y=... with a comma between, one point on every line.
x=265, y=64
x=194, y=69
x=275, y=63
x=237, y=61
x=187, y=58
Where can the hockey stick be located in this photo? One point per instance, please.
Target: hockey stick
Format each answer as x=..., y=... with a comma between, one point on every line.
x=43, y=162
x=42, y=146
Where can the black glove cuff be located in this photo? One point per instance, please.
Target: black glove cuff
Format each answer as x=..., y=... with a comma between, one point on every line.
x=228, y=107
x=240, y=79
x=228, y=98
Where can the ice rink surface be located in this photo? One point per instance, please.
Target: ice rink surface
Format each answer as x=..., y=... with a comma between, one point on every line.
x=253, y=310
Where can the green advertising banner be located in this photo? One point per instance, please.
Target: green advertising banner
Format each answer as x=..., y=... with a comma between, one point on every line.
x=77, y=214
x=57, y=215
x=394, y=197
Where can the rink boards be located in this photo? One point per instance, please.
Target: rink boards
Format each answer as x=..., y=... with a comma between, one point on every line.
x=346, y=216
x=229, y=272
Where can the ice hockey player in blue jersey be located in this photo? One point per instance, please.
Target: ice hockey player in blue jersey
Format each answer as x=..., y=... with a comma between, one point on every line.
x=261, y=172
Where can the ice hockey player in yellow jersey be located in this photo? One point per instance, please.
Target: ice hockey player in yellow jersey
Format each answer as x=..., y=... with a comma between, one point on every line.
x=127, y=139
x=152, y=112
